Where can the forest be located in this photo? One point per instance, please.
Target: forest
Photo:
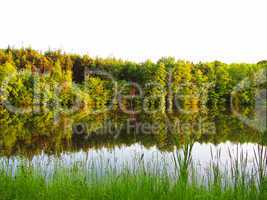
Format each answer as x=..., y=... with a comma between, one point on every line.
x=35, y=81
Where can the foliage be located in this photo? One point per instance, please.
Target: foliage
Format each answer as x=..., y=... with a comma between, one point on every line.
x=167, y=84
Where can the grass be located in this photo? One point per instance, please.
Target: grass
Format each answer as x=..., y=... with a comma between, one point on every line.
x=93, y=181
x=27, y=185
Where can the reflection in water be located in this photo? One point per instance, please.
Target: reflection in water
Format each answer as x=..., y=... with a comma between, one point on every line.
x=29, y=135
x=208, y=140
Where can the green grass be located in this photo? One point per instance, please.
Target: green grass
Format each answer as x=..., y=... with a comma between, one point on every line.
x=79, y=181
x=26, y=185
x=90, y=179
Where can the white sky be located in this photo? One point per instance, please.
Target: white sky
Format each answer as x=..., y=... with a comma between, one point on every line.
x=197, y=30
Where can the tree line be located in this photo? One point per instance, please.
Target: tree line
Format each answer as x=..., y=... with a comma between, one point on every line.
x=82, y=82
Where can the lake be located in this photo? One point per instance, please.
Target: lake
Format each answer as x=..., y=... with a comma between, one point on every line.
x=118, y=140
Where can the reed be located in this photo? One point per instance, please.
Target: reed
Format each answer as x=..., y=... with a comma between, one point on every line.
x=99, y=180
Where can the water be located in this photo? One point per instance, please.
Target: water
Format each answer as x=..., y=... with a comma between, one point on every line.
x=118, y=140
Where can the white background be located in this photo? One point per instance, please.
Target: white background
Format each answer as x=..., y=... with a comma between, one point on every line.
x=197, y=30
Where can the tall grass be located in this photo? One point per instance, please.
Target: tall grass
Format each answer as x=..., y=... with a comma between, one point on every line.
x=91, y=180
